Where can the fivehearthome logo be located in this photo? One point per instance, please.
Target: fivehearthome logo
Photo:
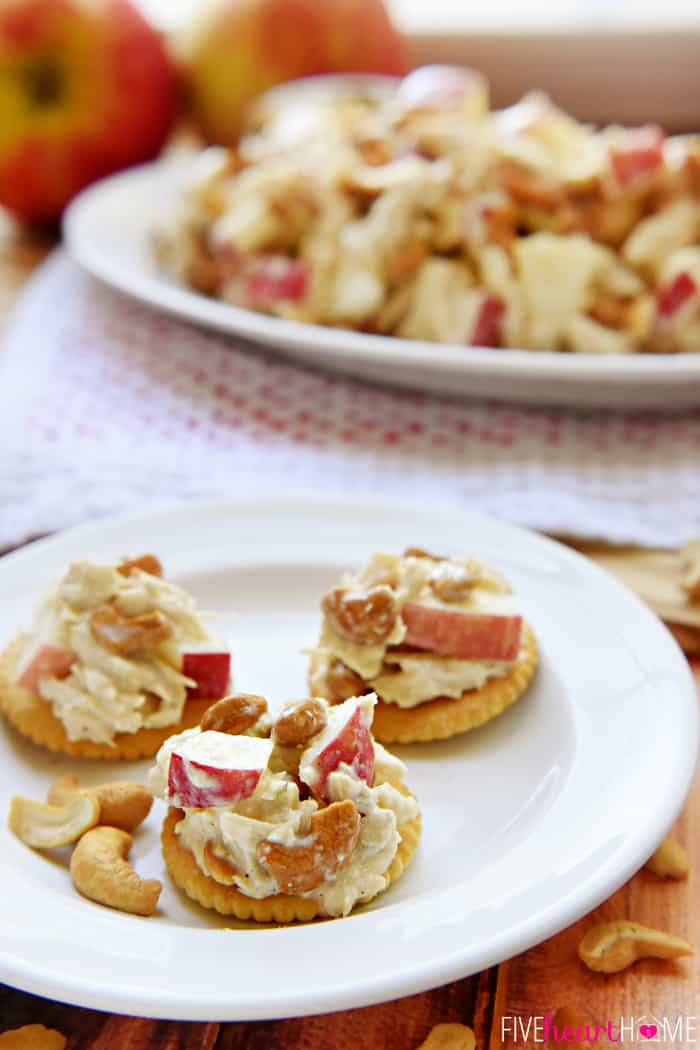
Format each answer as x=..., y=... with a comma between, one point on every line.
x=548, y=1030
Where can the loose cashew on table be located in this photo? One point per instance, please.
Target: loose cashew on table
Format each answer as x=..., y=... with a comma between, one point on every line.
x=613, y=946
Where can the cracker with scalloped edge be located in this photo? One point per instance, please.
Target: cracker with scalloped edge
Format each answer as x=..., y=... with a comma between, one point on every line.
x=446, y=716
x=227, y=900
x=32, y=716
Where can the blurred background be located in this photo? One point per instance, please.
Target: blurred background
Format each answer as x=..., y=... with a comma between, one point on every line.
x=455, y=15
x=92, y=87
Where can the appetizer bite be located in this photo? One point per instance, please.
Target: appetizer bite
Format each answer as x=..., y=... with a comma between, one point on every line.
x=301, y=818
x=439, y=640
x=116, y=660
x=420, y=212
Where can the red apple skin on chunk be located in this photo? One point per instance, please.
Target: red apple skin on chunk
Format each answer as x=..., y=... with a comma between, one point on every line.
x=641, y=154
x=352, y=744
x=488, y=322
x=232, y=784
x=211, y=672
x=275, y=279
x=463, y=635
x=439, y=86
x=50, y=661
x=225, y=783
x=672, y=296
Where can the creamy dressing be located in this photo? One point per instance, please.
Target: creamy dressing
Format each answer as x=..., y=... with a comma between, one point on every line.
x=106, y=693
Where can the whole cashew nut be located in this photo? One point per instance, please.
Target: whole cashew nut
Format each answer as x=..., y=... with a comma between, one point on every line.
x=299, y=721
x=234, y=714
x=450, y=1037
x=613, y=946
x=45, y=826
x=670, y=861
x=123, y=804
x=101, y=872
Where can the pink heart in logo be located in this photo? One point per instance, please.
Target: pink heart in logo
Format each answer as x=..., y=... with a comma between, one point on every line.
x=648, y=1030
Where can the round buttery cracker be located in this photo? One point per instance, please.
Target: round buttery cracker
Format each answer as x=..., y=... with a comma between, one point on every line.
x=227, y=900
x=446, y=716
x=33, y=717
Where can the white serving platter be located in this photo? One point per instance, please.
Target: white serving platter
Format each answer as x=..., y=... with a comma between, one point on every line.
x=109, y=230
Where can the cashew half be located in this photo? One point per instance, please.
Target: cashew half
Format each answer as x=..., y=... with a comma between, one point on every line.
x=100, y=871
x=123, y=804
x=613, y=946
x=45, y=827
x=670, y=861
x=218, y=867
x=450, y=1037
x=326, y=849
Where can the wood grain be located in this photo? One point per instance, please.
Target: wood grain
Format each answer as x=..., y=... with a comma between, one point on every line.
x=100, y=1031
x=401, y=1024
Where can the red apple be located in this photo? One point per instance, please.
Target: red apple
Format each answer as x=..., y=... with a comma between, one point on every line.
x=210, y=671
x=639, y=153
x=49, y=661
x=465, y=635
x=235, y=49
x=346, y=738
x=216, y=769
x=671, y=296
x=487, y=325
x=86, y=88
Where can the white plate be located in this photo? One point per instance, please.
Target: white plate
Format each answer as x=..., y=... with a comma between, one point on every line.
x=109, y=229
x=528, y=823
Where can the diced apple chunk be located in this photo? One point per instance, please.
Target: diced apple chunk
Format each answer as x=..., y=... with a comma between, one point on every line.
x=444, y=303
x=487, y=325
x=346, y=739
x=639, y=152
x=656, y=237
x=444, y=87
x=49, y=661
x=557, y=275
x=216, y=769
x=274, y=279
x=672, y=295
x=467, y=635
x=210, y=671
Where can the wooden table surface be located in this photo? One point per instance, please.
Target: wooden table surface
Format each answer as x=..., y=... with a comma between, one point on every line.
x=545, y=978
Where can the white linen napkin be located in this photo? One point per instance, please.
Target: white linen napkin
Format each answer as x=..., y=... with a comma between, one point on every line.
x=107, y=406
